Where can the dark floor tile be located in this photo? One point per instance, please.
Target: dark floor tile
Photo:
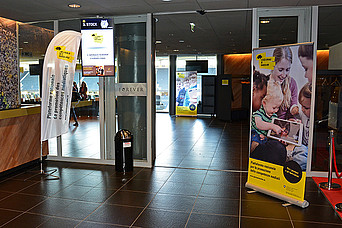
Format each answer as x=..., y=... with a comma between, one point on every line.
x=21, y=202
x=300, y=224
x=316, y=198
x=98, y=225
x=115, y=214
x=130, y=198
x=3, y=195
x=51, y=206
x=217, y=191
x=113, y=182
x=264, y=210
x=14, y=185
x=180, y=189
x=173, y=202
x=222, y=178
x=187, y=177
x=217, y=221
x=73, y=192
x=151, y=175
x=263, y=222
x=46, y=188
x=143, y=185
x=314, y=213
x=161, y=218
x=217, y=206
x=77, y=210
x=59, y=222
x=6, y=215
x=27, y=221
x=89, y=181
x=97, y=195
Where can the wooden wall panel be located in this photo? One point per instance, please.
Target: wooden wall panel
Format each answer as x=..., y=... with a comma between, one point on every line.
x=240, y=64
x=20, y=141
x=237, y=64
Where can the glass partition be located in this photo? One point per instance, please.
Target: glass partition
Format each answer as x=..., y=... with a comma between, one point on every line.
x=328, y=101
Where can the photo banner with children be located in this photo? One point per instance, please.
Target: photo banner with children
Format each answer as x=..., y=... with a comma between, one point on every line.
x=186, y=93
x=282, y=101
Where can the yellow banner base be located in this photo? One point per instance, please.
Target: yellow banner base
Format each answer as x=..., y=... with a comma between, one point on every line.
x=290, y=200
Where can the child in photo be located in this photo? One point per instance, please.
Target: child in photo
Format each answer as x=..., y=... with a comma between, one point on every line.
x=300, y=154
x=262, y=118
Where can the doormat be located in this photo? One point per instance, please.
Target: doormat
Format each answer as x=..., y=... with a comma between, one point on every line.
x=334, y=197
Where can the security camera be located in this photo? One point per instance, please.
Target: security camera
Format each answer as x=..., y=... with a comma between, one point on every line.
x=202, y=12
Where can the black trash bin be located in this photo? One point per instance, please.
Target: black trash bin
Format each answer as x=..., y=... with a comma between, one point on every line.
x=124, y=151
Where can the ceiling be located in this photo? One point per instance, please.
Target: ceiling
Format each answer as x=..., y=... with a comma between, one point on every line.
x=225, y=26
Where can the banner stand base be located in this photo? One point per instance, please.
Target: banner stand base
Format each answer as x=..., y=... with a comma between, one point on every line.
x=302, y=204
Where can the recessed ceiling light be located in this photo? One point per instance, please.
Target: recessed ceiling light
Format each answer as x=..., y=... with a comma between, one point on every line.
x=181, y=41
x=74, y=5
x=167, y=0
x=158, y=42
x=25, y=42
x=175, y=50
x=265, y=21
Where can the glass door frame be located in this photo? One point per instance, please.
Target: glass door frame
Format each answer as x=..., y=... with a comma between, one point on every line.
x=107, y=110
x=307, y=32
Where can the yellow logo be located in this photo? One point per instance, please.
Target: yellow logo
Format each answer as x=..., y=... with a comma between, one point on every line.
x=97, y=38
x=63, y=54
x=265, y=62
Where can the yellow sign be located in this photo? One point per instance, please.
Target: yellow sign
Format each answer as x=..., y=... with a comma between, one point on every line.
x=265, y=62
x=275, y=178
x=181, y=75
x=97, y=38
x=225, y=82
x=186, y=110
x=63, y=54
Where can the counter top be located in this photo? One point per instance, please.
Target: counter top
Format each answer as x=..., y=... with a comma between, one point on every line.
x=23, y=111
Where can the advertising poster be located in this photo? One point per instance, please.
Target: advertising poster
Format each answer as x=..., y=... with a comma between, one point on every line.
x=280, y=121
x=9, y=79
x=97, y=47
x=58, y=75
x=186, y=93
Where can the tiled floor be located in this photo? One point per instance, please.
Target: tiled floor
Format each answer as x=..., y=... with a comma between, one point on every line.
x=198, y=181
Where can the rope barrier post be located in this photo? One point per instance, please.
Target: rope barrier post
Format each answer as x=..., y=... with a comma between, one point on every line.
x=329, y=185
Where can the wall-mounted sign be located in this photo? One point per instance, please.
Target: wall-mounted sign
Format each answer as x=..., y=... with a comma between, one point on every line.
x=97, y=47
x=130, y=89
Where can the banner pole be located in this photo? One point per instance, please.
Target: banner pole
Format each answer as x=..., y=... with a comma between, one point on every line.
x=329, y=185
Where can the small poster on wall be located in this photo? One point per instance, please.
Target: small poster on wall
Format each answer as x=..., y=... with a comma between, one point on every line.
x=97, y=47
x=9, y=80
x=186, y=93
x=282, y=99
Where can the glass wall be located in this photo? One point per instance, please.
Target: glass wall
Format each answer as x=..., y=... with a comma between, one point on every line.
x=212, y=69
x=162, y=83
x=328, y=102
x=33, y=42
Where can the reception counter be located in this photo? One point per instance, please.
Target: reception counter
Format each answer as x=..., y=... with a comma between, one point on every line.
x=20, y=136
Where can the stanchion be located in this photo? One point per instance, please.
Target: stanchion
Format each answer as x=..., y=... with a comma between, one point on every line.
x=329, y=185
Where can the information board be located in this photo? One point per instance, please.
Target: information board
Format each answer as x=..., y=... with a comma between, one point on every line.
x=97, y=47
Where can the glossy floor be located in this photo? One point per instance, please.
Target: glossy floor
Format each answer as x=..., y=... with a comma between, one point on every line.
x=198, y=181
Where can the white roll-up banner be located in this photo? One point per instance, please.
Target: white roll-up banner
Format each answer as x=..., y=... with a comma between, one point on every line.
x=58, y=75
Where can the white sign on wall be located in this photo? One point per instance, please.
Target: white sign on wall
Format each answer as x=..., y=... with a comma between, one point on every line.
x=97, y=47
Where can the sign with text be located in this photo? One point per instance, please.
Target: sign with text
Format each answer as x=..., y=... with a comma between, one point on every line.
x=282, y=100
x=130, y=89
x=186, y=93
x=97, y=47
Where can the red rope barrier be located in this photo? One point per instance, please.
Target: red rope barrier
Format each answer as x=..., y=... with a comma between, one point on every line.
x=333, y=149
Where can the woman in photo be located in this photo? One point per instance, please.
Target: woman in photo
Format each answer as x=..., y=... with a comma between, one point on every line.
x=281, y=74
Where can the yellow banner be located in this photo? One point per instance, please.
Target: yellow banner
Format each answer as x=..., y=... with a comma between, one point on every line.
x=63, y=54
x=186, y=110
x=280, y=179
x=265, y=62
